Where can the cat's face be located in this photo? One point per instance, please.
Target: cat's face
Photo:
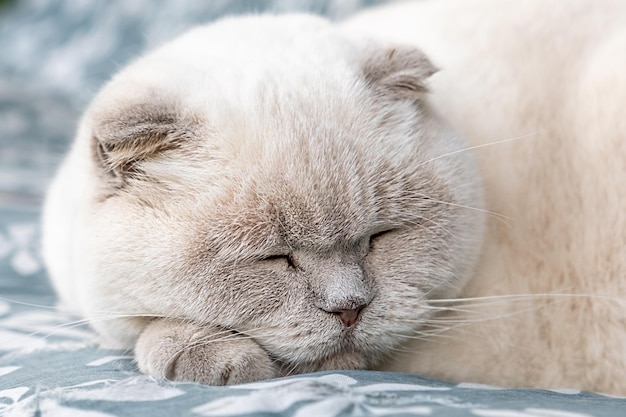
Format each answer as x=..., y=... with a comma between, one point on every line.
x=277, y=178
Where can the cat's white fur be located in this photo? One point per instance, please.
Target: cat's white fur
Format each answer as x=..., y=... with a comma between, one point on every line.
x=265, y=136
x=553, y=73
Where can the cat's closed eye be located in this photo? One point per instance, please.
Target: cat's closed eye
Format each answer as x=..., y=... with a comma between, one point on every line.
x=286, y=258
x=376, y=236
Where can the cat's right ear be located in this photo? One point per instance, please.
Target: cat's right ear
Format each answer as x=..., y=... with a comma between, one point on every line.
x=129, y=130
x=399, y=70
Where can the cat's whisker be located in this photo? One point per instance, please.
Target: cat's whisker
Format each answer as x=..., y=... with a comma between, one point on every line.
x=60, y=309
x=18, y=302
x=203, y=341
x=523, y=297
x=435, y=329
x=464, y=321
x=454, y=309
x=418, y=334
x=59, y=328
x=461, y=305
x=488, y=212
x=434, y=223
x=85, y=322
x=292, y=369
x=215, y=337
x=397, y=349
x=441, y=326
x=426, y=336
x=483, y=145
x=224, y=335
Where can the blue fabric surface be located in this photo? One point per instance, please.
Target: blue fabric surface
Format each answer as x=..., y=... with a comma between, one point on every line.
x=55, y=56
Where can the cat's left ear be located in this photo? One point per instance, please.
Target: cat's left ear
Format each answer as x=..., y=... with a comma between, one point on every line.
x=401, y=70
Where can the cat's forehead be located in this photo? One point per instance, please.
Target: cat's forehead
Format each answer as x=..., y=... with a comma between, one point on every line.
x=319, y=199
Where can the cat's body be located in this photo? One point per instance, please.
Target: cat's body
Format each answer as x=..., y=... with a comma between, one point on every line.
x=279, y=194
x=552, y=74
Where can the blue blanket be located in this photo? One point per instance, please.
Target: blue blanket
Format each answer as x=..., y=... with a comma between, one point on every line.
x=55, y=56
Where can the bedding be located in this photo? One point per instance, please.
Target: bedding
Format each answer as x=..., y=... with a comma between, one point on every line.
x=55, y=56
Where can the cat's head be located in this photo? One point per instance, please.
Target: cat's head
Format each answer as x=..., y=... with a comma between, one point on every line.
x=281, y=178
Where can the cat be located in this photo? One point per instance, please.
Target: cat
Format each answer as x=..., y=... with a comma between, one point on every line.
x=435, y=187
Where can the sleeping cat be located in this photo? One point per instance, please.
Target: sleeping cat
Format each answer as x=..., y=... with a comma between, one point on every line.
x=434, y=187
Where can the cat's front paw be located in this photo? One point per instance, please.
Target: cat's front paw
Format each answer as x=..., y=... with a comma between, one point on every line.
x=181, y=351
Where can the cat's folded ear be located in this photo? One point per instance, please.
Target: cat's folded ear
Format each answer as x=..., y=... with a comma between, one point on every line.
x=128, y=130
x=401, y=71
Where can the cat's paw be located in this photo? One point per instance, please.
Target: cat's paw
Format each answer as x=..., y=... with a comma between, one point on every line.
x=181, y=351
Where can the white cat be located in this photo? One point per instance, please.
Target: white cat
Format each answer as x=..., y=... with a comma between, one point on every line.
x=278, y=194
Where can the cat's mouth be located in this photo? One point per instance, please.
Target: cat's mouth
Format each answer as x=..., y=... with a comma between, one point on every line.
x=339, y=352
x=329, y=340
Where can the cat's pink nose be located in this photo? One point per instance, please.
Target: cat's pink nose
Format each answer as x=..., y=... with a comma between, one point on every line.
x=348, y=317
x=347, y=310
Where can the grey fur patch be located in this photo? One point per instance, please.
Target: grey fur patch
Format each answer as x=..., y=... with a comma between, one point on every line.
x=401, y=70
x=125, y=135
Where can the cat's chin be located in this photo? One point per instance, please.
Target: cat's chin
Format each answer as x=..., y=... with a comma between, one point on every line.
x=346, y=350
x=345, y=360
